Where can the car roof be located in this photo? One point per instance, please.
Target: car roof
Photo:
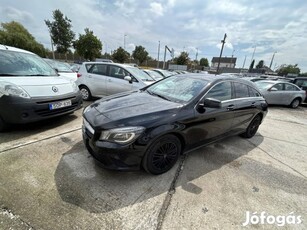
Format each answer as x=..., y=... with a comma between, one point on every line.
x=108, y=63
x=216, y=78
x=10, y=48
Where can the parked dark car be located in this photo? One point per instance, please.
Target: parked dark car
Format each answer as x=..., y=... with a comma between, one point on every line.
x=302, y=83
x=152, y=126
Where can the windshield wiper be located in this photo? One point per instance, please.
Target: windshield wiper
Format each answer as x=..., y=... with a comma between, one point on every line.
x=7, y=74
x=37, y=75
x=158, y=95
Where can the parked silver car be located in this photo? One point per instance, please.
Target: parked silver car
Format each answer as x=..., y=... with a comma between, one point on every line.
x=281, y=93
x=99, y=79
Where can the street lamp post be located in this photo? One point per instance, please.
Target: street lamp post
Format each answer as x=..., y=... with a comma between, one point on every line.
x=272, y=59
x=125, y=41
x=158, y=63
x=232, y=58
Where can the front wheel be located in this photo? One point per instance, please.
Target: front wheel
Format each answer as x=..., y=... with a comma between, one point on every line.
x=162, y=155
x=295, y=103
x=85, y=93
x=252, y=128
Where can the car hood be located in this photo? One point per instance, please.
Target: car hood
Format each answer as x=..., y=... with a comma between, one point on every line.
x=42, y=86
x=134, y=108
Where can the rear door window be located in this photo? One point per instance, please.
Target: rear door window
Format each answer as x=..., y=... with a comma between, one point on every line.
x=289, y=87
x=253, y=92
x=98, y=69
x=241, y=90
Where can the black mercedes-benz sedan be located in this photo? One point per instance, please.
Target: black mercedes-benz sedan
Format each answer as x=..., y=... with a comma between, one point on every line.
x=151, y=127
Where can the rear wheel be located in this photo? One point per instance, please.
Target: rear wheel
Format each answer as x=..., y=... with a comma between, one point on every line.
x=86, y=93
x=295, y=103
x=252, y=128
x=162, y=155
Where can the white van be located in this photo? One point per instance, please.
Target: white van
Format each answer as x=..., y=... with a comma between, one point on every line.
x=30, y=90
x=99, y=79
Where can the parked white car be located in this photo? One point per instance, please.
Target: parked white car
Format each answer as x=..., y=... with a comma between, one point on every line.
x=99, y=79
x=63, y=69
x=30, y=90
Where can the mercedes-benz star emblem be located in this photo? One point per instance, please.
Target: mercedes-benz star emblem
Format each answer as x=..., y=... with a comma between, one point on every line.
x=55, y=89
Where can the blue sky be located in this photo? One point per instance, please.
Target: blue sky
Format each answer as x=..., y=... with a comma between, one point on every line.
x=270, y=26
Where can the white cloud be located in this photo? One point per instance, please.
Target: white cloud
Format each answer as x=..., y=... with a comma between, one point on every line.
x=156, y=8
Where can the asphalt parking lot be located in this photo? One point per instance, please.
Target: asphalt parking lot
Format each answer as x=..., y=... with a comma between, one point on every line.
x=49, y=181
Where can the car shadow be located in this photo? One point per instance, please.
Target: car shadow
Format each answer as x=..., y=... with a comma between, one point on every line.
x=82, y=182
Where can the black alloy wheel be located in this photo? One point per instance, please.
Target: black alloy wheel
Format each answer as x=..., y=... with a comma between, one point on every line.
x=252, y=128
x=162, y=155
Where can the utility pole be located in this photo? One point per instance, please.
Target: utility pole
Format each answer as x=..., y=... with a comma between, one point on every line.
x=253, y=54
x=232, y=58
x=244, y=62
x=166, y=48
x=158, y=63
x=272, y=59
x=53, y=56
x=223, y=43
x=125, y=41
x=196, y=54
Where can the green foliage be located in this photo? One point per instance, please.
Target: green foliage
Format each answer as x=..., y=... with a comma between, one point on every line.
x=260, y=64
x=303, y=74
x=140, y=54
x=120, y=55
x=204, y=62
x=286, y=69
x=183, y=59
x=251, y=66
x=60, y=31
x=88, y=45
x=14, y=34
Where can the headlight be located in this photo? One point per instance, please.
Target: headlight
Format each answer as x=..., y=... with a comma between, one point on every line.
x=122, y=135
x=9, y=89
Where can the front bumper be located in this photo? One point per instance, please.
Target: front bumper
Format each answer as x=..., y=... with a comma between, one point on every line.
x=113, y=156
x=19, y=110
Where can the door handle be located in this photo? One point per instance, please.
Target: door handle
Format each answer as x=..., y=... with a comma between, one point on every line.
x=253, y=105
x=230, y=107
x=90, y=76
x=109, y=80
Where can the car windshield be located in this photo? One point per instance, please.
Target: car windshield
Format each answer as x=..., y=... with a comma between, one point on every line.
x=14, y=63
x=166, y=73
x=60, y=66
x=178, y=88
x=139, y=74
x=264, y=85
x=154, y=74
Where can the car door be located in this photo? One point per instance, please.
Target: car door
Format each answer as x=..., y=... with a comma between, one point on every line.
x=116, y=82
x=290, y=93
x=246, y=105
x=96, y=79
x=213, y=122
x=276, y=95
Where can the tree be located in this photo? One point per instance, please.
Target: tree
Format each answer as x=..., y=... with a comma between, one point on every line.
x=120, y=55
x=14, y=34
x=204, y=62
x=251, y=66
x=260, y=64
x=88, y=45
x=140, y=54
x=60, y=31
x=183, y=59
x=286, y=69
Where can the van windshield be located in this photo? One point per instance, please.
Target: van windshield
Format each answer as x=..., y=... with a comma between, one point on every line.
x=13, y=63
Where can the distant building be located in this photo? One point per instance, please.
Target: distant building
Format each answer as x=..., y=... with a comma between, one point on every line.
x=228, y=62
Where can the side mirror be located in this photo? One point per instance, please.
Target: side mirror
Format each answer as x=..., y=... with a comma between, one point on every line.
x=212, y=103
x=128, y=78
x=208, y=103
x=273, y=89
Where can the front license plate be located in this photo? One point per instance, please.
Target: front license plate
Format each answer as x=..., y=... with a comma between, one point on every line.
x=60, y=104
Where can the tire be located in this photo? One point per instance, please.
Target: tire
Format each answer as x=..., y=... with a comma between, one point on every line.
x=3, y=125
x=295, y=103
x=162, y=155
x=252, y=128
x=85, y=92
